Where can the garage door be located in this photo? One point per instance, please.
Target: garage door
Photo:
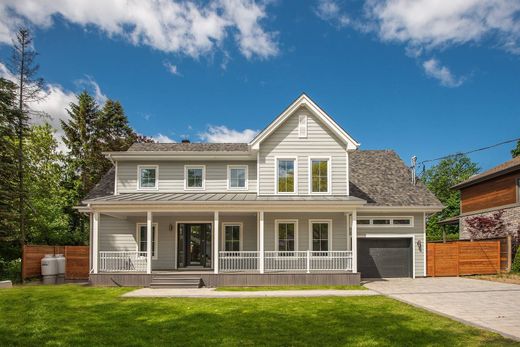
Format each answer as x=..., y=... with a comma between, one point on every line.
x=385, y=257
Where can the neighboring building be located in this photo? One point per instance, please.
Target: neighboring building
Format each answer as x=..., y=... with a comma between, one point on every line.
x=298, y=204
x=491, y=191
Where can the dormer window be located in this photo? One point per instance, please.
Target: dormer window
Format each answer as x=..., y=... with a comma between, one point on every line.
x=148, y=177
x=302, y=126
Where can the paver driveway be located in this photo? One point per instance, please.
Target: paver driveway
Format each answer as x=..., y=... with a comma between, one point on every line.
x=491, y=305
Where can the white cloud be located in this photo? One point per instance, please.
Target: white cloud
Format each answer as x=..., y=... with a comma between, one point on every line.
x=172, y=68
x=435, y=70
x=160, y=138
x=330, y=11
x=223, y=134
x=92, y=85
x=185, y=27
x=428, y=24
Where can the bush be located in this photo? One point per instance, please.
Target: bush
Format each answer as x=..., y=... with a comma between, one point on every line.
x=10, y=270
x=515, y=267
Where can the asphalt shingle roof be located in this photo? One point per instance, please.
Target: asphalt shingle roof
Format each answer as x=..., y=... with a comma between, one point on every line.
x=189, y=147
x=378, y=176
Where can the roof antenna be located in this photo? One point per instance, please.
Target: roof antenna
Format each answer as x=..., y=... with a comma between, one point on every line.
x=414, y=170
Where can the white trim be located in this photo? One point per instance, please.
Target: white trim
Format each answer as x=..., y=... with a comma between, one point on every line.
x=304, y=100
x=203, y=167
x=156, y=232
x=348, y=174
x=329, y=174
x=391, y=225
x=176, y=243
x=276, y=232
x=424, y=248
x=261, y=239
x=139, y=167
x=397, y=236
x=258, y=173
x=241, y=236
x=215, y=241
x=95, y=242
x=316, y=221
x=347, y=223
x=115, y=179
x=288, y=157
x=303, y=129
x=354, y=242
x=235, y=166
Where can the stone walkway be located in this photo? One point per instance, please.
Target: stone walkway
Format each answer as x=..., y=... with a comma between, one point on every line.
x=490, y=305
x=212, y=293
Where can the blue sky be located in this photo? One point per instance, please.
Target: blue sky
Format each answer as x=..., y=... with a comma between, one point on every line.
x=424, y=80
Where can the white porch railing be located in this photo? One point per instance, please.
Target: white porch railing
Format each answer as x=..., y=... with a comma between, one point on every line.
x=122, y=261
x=275, y=261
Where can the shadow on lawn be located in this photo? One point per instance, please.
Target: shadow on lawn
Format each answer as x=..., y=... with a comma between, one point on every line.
x=91, y=316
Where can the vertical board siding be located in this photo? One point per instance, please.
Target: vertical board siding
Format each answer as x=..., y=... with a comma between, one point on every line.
x=76, y=260
x=320, y=141
x=417, y=230
x=171, y=175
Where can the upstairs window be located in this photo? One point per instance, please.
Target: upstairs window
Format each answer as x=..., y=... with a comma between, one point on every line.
x=148, y=177
x=237, y=177
x=302, y=126
x=286, y=177
x=194, y=177
x=320, y=175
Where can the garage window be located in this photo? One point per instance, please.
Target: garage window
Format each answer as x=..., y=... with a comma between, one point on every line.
x=382, y=222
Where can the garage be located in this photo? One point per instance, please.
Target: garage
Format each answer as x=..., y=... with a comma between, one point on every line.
x=385, y=257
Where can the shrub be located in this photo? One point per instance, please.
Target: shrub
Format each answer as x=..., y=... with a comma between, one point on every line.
x=10, y=270
x=515, y=267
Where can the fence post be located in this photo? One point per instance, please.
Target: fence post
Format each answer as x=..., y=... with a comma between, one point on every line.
x=509, y=252
x=308, y=261
x=433, y=259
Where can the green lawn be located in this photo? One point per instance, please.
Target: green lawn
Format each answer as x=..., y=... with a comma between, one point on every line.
x=256, y=289
x=72, y=315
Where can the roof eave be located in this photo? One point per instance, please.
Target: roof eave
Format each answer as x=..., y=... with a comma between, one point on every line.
x=471, y=182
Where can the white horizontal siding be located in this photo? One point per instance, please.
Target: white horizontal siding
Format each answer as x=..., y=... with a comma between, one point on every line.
x=320, y=141
x=171, y=175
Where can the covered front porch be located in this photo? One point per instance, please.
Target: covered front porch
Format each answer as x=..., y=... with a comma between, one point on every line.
x=131, y=242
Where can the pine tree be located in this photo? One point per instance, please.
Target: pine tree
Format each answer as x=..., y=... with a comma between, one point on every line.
x=515, y=152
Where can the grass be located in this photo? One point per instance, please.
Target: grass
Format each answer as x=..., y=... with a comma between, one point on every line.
x=72, y=315
x=256, y=289
x=513, y=278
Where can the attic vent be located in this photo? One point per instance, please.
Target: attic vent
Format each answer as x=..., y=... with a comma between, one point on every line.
x=302, y=126
x=185, y=141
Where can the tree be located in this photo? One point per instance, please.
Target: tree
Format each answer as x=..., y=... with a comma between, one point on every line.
x=439, y=179
x=515, y=152
x=29, y=90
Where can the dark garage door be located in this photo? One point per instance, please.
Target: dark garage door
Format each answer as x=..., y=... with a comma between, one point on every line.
x=385, y=257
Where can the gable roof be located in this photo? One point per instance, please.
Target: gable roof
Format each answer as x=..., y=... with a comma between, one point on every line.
x=378, y=177
x=189, y=147
x=304, y=100
x=499, y=170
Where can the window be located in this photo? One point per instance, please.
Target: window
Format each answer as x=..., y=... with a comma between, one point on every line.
x=194, y=177
x=286, y=236
x=302, y=126
x=286, y=176
x=148, y=177
x=142, y=240
x=237, y=176
x=232, y=237
x=385, y=221
x=320, y=235
x=319, y=175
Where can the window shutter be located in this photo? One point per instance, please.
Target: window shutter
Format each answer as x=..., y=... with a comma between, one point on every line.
x=302, y=126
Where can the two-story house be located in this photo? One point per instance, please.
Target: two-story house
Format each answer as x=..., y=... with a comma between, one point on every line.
x=299, y=204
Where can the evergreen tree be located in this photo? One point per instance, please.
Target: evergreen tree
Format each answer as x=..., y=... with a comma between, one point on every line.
x=439, y=179
x=515, y=152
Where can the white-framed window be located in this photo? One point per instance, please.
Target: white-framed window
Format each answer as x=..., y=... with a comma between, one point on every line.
x=286, y=236
x=320, y=235
x=194, y=177
x=286, y=175
x=232, y=236
x=237, y=177
x=386, y=222
x=141, y=233
x=320, y=175
x=302, y=126
x=147, y=177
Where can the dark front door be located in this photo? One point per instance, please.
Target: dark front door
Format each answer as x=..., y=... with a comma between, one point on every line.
x=385, y=257
x=194, y=244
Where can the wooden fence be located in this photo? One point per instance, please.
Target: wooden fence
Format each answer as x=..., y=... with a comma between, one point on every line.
x=76, y=266
x=468, y=257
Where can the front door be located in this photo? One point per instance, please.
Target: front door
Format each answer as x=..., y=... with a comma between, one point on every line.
x=194, y=244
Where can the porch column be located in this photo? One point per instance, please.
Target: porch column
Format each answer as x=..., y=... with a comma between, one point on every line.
x=261, y=240
x=354, y=241
x=149, y=243
x=349, y=244
x=215, y=241
x=95, y=237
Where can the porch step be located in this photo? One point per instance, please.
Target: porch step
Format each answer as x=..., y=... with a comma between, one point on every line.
x=175, y=281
